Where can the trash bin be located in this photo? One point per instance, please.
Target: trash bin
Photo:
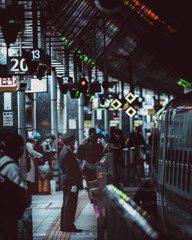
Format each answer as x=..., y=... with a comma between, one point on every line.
x=53, y=186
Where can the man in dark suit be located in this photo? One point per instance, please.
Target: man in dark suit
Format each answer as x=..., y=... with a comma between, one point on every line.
x=71, y=182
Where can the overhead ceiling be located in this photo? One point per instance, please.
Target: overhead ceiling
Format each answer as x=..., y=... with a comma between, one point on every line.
x=145, y=44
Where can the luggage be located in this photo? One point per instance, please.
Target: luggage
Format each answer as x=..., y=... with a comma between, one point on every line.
x=44, y=186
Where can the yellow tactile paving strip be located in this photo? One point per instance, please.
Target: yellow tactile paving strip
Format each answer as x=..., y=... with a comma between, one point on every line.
x=54, y=230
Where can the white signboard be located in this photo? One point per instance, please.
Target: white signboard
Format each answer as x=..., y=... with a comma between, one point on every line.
x=99, y=114
x=7, y=119
x=8, y=82
x=7, y=101
x=36, y=85
x=72, y=124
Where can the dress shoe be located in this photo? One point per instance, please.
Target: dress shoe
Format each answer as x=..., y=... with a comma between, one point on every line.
x=73, y=230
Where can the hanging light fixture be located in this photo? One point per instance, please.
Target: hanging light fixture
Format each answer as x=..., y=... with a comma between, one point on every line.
x=108, y=5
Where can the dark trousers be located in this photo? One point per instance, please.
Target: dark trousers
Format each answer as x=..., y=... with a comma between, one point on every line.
x=32, y=187
x=8, y=229
x=68, y=209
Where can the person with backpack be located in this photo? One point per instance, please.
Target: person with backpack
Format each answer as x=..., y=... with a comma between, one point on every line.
x=15, y=197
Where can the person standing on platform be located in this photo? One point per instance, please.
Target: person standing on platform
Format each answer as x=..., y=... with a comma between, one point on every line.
x=136, y=138
x=33, y=156
x=102, y=133
x=94, y=153
x=38, y=143
x=39, y=148
x=49, y=150
x=71, y=182
x=16, y=198
x=137, y=141
x=115, y=144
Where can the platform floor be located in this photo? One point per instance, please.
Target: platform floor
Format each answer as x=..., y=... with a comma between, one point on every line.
x=46, y=210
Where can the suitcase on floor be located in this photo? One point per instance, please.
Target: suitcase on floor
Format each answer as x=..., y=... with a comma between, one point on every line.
x=44, y=186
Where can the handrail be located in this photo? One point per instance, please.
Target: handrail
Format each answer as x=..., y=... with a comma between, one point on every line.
x=132, y=215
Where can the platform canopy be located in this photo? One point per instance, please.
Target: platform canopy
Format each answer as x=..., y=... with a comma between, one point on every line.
x=145, y=44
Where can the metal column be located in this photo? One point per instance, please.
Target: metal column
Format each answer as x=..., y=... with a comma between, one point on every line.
x=106, y=120
x=54, y=129
x=22, y=129
x=35, y=45
x=121, y=86
x=34, y=115
x=22, y=123
x=65, y=113
x=81, y=118
x=66, y=69
x=93, y=122
x=59, y=110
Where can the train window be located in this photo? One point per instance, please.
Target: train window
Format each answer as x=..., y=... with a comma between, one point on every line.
x=184, y=171
x=167, y=166
x=179, y=168
x=172, y=169
x=189, y=172
x=175, y=168
x=180, y=156
x=185, y=157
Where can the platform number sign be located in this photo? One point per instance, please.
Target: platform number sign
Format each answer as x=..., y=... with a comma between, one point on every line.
x=17, y=66
x=65, y=80
x=35, y=54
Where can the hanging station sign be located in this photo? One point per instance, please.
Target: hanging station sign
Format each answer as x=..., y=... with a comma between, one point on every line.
x=17, y=66
x=129, y=110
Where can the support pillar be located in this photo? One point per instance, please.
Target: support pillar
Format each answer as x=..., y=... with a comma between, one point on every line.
x=34, y=115
x=81, y=118
x=22, y=129
x=22, y=123
x=65, y=126
x=59, y=110
x=54, y=128
x=93, y=122
x=106, y=120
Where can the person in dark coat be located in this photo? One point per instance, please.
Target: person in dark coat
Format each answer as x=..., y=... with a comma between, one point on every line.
x=136, y=138
x=71, y=182
x=137, y=141
x=115, y=145
x=94, y=153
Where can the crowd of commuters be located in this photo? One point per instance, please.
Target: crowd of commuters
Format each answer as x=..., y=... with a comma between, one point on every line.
x=74, y=165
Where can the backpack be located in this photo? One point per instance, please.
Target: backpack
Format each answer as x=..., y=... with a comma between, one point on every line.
x=14, y=199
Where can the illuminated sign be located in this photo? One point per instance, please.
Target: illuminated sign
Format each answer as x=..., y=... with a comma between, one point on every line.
x=183, y=83
x=130, y=97
x=116, y=104
x=131, y=112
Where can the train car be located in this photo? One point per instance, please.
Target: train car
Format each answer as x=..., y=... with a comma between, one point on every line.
x=171, y=165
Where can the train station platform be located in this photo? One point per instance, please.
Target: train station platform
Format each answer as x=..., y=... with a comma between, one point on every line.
x=46, y=211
